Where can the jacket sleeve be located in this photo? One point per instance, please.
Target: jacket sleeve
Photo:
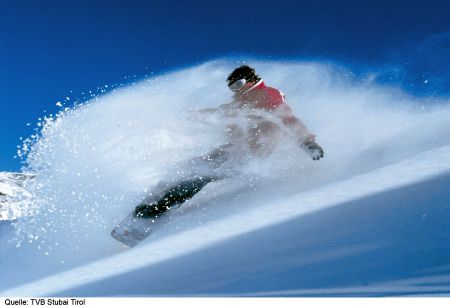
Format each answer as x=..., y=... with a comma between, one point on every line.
x=295, y=126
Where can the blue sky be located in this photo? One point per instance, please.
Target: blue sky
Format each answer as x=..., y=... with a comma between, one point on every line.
x=51, y=49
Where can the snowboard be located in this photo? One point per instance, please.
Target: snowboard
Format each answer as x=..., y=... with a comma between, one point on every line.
x=133, y=230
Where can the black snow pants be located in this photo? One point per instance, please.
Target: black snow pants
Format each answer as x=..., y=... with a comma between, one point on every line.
x=204, y=170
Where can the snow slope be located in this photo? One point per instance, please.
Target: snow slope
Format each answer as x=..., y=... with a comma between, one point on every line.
x=370, y=219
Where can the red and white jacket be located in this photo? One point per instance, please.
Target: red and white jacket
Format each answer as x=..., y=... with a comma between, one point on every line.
x=267, y=98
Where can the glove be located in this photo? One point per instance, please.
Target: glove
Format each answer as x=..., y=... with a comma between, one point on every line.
x=313, y=149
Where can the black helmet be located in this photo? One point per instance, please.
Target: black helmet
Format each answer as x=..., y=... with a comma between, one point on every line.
x=243, y=72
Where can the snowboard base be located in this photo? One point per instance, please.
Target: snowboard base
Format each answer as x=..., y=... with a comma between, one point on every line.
x=133, y=230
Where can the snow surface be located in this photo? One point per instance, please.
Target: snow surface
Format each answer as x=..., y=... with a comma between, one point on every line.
x=369, y=219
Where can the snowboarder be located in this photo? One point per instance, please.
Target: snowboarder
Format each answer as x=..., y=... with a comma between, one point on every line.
x=265, y=109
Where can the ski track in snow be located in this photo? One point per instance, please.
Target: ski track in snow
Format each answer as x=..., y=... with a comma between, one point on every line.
x=368, y=220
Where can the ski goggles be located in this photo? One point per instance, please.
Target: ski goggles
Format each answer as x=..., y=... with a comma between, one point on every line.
x=237, y=85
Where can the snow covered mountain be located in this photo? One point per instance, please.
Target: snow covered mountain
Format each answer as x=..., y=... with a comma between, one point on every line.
x=12, y=193
x=370, y=219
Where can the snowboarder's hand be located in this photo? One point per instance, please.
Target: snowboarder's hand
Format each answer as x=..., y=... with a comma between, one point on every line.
x=315, y=151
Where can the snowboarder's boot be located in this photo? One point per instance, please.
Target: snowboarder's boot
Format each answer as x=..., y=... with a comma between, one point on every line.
x=174, y=196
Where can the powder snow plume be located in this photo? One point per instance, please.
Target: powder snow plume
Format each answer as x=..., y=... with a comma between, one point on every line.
x=94, y=162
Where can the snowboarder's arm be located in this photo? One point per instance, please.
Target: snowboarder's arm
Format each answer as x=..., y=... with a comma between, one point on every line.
x=215, y=109
x=202, y=115
x=299, y=131
x=294, y=125
x=207, y=110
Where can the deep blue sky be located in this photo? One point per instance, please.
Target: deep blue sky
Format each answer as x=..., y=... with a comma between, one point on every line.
x=53, y=49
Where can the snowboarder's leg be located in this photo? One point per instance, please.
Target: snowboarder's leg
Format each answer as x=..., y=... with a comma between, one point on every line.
x=185, y=188
x=175, y=195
